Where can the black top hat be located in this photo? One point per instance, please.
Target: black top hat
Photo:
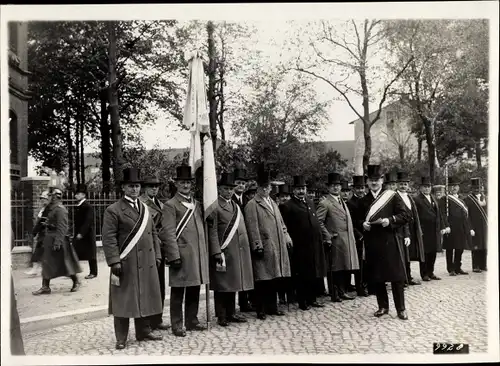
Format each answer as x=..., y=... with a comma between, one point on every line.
x=132, y=175
x=251, y=188
x=151, y=181
x=227, y=179
x=275, y=189
x=390, y=177
x=184, y=173
x=81, y=188
x=284, y=189
x=263, y=176
x=299, y=181
x=425, y=181
x=374, y=171
x=240, y=174
x=475, y=182
x=358, y=181
x=334, y=178
x=403, y=177
x=345, y=185
x=453, y=181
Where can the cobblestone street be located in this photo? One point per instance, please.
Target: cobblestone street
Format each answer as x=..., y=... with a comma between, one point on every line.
x=438, y=312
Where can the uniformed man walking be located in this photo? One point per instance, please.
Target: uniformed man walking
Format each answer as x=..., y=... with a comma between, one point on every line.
x=478, y=215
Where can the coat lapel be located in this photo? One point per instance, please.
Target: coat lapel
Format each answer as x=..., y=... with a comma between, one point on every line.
x=224, y=205
x=426, y=201
x=128, y=210
x=336, y=204
x=260, y=200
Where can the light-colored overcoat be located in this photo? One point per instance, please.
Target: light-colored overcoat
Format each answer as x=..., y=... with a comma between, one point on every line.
x=335, y=218
x=155, y=208
x=267, y=230
x=138, y=295
x=192, y=246
x=239, y=273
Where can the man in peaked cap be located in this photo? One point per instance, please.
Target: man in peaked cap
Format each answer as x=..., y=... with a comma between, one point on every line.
x=308, y=257
x=433, y=227
x=85, y=243
x=338, y=237
x=381, y=213
x=132, y=250
x=478, y=217
x=411, y=232
x=187, y=251
x=269, y=241
x=150, y=198
x=459, y=239
x=231, y=271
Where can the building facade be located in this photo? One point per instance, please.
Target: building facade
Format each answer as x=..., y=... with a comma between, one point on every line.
x=18, y=100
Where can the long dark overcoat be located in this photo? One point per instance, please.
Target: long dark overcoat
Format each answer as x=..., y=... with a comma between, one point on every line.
x=63, y=262
x=239, y=273
x=155, y=209
x=458, y=220
x=84, y=224
x=138, y=295
x=192, y=246
x=336, y=219
x=308, y=256
x=266, y=229
x=39, y=234
x=384, y=252
x=478, y=218
x=432, y=222
x=415, y=251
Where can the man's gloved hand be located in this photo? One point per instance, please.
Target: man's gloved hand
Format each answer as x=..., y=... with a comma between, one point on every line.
x=176, y=264
x=385, y=222
x=217, y=258
x=366, y=226
x=407, y=241
x=116, y=269
x=259, y=252
x=158, y=263
x=327, y=245
x=56, y=247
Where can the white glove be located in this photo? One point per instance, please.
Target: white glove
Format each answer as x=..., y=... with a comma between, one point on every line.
x=385, y=222
x=447, y=230
x=407, y=241
x=443, y=231
x=472, y=233
x=366, y=226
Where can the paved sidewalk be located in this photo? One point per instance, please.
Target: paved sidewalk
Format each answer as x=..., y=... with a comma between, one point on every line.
x=438, y=312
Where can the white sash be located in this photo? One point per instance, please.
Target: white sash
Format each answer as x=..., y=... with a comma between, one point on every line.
x=233, y=229
x=459, y=203
x=480, y=208
x=405, y=199
x=185, y=219
x=379, y=203
x=138, y=234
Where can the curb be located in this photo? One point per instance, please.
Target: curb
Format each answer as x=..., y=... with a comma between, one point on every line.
x=45, y=322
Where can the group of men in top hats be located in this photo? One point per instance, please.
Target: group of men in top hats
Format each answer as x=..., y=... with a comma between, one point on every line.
x=256, y=247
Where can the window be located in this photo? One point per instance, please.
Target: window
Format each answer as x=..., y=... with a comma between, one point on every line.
x=13, y=138
x=13, y=36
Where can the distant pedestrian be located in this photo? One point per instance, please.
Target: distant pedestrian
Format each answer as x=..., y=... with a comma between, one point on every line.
x=39, y=235
x=84, y=242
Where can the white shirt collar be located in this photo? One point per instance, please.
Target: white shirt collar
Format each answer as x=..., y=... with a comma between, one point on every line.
x=336, y=197
x=239, y=196
x=79, y=203
x=131, y=200
x=376, y=194
x=184, y=196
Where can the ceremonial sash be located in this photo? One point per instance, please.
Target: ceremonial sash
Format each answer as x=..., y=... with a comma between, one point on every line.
x=185, y=219
x=136, y=232
x=235, y=222
x=481, y=210
x=379, y=204
x=459, y=203
x=406, y=200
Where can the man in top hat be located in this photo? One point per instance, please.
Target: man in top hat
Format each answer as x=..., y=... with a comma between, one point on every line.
x=59, y=257
x=150, y=198
x=250, y=191
x=132, y=250
x=391, y=181
x=85, y=244
x=433, y=225
x=269, y=241
x=382, y=212
x=345, y=193
x=439, y=191
x=360, y=277
x=411, y=232
x=231, y=271
x=478, y=217
x=187, y=250
x=459, y=239
x=283, y=194
x=308, y=257
x=240, y=179
x=338, y=236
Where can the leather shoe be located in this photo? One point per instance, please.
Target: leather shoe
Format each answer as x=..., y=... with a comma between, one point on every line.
x=336, y=299
x=223, y=323
x=261, y=316
x=75, y=287
x=452, y=273
x=236, y=319
x=179, y=332
x=462, y=272
x=197, y=328
x=304, y=307
x=346, y=296
x=317, y=305
x=381, y=312
x=476, y=270
x=42, y=291
x=150, y=337
x=162, y=326
x=413, y=282
x=363, y=293
x=120, y=345
x=426, y=278
x=90, y=276
x=277, y=312
x=436, y=278
x=402, y=315
x=247, y=309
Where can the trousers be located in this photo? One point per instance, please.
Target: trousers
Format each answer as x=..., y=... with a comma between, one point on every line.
x=306, y=291
x=454, y=260
x=93, y=266
x=427, y=267
x=479, y=259
x=266, y=300
x=122, y=326
x=225, y=304
x=191, y=304
x=397, y=293
x=157, y=319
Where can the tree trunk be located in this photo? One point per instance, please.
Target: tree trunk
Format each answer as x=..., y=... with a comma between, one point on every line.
x=401, y=149
x=77, y=151
x=478, y=154
x=431, y=147
x=419, y=152
x=105, y=142
x=212, y=102
x=82, y=157
x=366, y=122
x=69, y=142
x=221, y=111
x=116, y=134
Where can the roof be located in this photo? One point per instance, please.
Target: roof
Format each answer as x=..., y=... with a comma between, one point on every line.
x=372, y=115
